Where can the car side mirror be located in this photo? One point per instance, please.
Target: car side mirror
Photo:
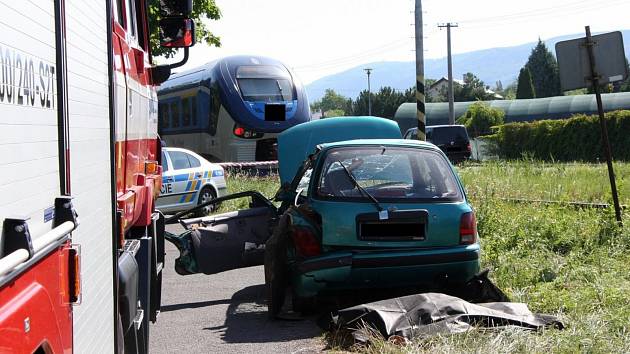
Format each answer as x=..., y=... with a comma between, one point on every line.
x=177, y=32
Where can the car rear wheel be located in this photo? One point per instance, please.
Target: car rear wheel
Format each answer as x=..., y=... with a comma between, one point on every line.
x=206, y=194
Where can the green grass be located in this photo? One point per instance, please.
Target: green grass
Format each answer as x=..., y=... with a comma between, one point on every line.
x=579, y=182
x=574, y=263
x=240, y=182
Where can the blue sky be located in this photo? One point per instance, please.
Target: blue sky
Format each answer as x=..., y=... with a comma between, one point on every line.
x=318, y=38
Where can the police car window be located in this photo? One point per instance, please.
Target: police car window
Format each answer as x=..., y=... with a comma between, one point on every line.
x=194, y=162
x=164, y=162
x=179, y=160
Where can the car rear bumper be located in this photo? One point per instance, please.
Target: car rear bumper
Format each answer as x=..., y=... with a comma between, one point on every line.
x=385, y=269
x=458, y=156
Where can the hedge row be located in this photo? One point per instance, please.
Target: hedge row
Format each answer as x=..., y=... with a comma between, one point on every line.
x=574, y=139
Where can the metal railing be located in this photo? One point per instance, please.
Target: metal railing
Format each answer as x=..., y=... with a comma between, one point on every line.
x=14, y=259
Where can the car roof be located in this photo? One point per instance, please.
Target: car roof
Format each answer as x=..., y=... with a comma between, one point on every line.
x=446, y=126
x=178, y=149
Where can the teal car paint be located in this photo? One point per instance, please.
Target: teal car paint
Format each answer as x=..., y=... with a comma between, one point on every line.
x=361, y=208
x=348, y=262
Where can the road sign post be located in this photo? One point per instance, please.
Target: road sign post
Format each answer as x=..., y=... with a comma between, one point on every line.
x=595, y=60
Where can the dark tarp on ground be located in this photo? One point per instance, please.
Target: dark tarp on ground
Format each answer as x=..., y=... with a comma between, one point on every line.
x=424, y=315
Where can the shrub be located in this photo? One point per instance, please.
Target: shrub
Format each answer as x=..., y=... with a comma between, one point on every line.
x=480, y=117
x=574, y=139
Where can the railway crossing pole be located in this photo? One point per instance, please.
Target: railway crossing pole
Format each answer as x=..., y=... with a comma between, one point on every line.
x=420, y=72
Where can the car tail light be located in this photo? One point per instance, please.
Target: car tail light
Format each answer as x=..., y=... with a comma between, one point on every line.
x=468, y=147
x=467, y=229
x=306, y=243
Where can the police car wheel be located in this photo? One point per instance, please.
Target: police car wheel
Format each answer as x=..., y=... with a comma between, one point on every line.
x=205, y=195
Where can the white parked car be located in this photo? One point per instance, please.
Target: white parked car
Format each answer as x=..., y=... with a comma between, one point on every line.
x=188, y=180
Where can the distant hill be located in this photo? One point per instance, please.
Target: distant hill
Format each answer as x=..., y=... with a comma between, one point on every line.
x=490, y=65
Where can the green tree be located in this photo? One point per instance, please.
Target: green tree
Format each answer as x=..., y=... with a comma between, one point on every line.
x=332, y=101
x=202, y=9
x=334, y=113
x=525, y=87
x=543, y=68
x=473, y=89
x=480, y=117
x=385, y=102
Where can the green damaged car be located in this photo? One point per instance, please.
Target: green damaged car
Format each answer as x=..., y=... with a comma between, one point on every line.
x=360, y=208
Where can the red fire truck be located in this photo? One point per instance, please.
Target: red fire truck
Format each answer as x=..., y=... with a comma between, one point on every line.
x=81, y=246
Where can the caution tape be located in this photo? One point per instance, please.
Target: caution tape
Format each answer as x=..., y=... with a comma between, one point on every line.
x=254, y=164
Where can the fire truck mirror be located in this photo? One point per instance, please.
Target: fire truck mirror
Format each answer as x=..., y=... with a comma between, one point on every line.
x=177, y=32
x=160, y=73
x=175, y=8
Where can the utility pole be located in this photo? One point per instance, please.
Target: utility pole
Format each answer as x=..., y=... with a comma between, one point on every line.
x=420, y=108
x=451, y=108
x=369, y=71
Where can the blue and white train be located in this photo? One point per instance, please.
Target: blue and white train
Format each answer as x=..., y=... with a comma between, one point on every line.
x=232, y=109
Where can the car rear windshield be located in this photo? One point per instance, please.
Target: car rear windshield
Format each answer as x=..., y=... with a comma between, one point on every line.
x=388, y=174
x=446, y=135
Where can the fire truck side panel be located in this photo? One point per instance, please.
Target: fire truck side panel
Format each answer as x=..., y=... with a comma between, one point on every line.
x=90, y=171
x=136, y=137
x=29, y=161
x=34, y=312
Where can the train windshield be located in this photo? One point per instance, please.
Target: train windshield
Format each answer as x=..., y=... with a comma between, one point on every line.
x=264, y=83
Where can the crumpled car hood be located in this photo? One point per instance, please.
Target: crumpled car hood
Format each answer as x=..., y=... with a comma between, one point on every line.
x=296, y=143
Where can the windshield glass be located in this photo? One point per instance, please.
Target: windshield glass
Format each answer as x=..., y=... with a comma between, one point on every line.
x=266, y=90
x=388, y=173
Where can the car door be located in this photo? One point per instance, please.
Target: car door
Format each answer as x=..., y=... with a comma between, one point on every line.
x=167, y=197
x=186, y=179
x=221, y=242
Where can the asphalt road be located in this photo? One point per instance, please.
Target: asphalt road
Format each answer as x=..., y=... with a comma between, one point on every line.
x=224, y=313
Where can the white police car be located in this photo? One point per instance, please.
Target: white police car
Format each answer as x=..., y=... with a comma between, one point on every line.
x=188, y=180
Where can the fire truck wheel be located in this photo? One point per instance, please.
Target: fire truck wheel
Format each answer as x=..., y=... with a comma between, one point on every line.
x=206, y=194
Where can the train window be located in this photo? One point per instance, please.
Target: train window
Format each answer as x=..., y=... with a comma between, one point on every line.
x=215, y=108
x=194, y=162
x=179, y=160
x=186, y=112
x=193, y=110
x=264, y=83
x=266, y=90
x=175, y=114
x=163, y=113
